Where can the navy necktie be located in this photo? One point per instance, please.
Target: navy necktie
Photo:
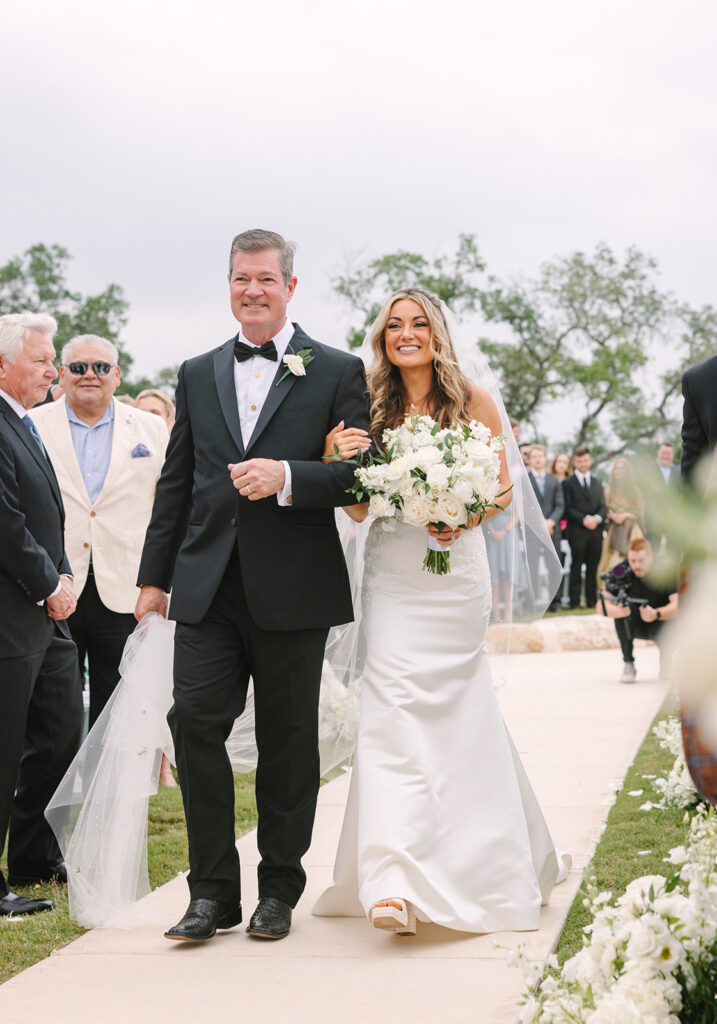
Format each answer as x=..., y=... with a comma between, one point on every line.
x=242, y=351
x=27, y=420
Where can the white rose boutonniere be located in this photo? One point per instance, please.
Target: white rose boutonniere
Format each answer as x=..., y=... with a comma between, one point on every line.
x=296, y=363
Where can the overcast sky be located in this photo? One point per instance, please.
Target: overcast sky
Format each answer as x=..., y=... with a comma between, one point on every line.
x=143, y=135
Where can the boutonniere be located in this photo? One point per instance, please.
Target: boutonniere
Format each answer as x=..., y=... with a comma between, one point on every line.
x=296, y=363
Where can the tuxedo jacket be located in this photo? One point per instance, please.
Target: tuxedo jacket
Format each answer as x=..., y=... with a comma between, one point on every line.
x=292, y=565
x=699, y=417
x=579, y=503
x=32, y=551
x=112, y=530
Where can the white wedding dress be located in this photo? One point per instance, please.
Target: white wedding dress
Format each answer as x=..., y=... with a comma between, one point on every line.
x=440, y=811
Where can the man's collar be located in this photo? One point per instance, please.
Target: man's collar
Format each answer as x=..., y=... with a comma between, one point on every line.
x=281, y=338
x=14, y=404
x=108, y=416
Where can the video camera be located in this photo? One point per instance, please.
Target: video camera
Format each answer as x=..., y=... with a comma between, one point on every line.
x=617, y=584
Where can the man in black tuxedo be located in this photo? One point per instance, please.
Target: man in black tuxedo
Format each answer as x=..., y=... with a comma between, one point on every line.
x=549, y=494
x=243, y=531
x=699, y=417
x=40, y=690
x=585, y=512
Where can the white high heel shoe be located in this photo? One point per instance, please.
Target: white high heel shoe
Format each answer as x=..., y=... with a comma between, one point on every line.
x=400, y=919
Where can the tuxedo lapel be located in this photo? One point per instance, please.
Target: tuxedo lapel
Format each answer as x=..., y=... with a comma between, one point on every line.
x=279, y=391
x=224, y=380
x=30, y=443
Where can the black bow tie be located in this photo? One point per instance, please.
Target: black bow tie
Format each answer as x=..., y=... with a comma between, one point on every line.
x=242, y=351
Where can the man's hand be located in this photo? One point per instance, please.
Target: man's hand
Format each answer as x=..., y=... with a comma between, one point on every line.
x=64, y=602
x=590, y=522
x=151, y=599
x=550, y=523
x=258, y=478
x=648, y=613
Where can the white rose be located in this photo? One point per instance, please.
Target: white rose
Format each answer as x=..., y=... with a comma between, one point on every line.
x=437, y=476
x=480, y=454
x=429, y=456
x=295, y=364
x=416, y=510
x=450, y=510
x=615, y=1009
x=463, y=490
x=488, y=488
x=380, y=506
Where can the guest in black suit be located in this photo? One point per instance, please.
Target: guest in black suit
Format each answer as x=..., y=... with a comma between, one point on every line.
x=243, y=531
x=40, y=692
x=549, y=494
x=585, y=513
x=699, y=418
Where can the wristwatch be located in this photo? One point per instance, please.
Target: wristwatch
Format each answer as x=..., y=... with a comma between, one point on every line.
x=658, y=615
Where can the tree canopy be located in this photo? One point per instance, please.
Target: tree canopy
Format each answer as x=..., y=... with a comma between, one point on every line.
x=596, y=328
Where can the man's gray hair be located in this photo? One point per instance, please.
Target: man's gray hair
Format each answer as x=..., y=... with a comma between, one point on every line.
x=15, y=327
x=258, y=240
x=83, y=339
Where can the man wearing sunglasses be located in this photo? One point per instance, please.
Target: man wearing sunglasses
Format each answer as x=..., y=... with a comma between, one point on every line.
x=108, y=457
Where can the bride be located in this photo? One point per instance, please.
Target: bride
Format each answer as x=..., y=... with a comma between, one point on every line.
x=441, y=823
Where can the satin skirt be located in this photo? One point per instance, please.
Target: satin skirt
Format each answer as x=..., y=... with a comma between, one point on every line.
x=440, y=811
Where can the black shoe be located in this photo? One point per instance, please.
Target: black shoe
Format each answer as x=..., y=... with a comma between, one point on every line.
x=270, y=920
x=11, y=903
x=35, y=876
x=202, y=919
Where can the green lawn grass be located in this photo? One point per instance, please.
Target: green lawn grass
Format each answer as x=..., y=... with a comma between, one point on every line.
x=621, y=854
x=26, y=940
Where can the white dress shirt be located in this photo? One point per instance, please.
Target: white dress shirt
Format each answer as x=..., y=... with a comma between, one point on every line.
x=253, y=379
x=22, y=412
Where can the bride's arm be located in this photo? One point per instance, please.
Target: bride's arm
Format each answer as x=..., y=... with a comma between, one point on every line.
x=483, y=409
x=349, y=441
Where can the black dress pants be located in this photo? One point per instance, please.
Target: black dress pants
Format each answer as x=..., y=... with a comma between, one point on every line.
x=40, y=726
x=100, y=635
x=635, y=629
x=585, y=549
x=213, y=661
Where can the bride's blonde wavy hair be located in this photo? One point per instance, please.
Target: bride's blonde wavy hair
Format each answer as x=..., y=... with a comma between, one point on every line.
x=449, y=397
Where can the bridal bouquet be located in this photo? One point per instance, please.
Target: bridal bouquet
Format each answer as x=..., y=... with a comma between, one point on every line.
x=432, y=476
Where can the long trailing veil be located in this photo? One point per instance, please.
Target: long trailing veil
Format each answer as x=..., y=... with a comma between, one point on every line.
x=99, y=811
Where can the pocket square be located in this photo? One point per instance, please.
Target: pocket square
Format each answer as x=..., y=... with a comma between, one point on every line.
x=140, y=451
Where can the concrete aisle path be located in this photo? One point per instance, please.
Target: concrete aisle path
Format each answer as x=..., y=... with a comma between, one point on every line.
x=576, y=729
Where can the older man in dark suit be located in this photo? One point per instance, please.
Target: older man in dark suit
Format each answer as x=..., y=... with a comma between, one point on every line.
x=243, y=531
x=40, y=690
x=549, y=494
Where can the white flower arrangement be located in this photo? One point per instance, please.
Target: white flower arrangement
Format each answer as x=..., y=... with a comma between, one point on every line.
x=649, y=957
x=677, y=789
x=296, y=363
x=432, y=476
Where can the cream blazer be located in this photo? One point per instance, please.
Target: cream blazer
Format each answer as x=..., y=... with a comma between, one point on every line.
x=112, y=529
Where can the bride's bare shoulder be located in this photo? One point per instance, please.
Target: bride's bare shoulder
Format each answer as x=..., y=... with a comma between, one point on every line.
x=483, y=408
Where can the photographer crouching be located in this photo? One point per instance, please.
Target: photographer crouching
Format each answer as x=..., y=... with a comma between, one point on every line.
x=638, y=607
